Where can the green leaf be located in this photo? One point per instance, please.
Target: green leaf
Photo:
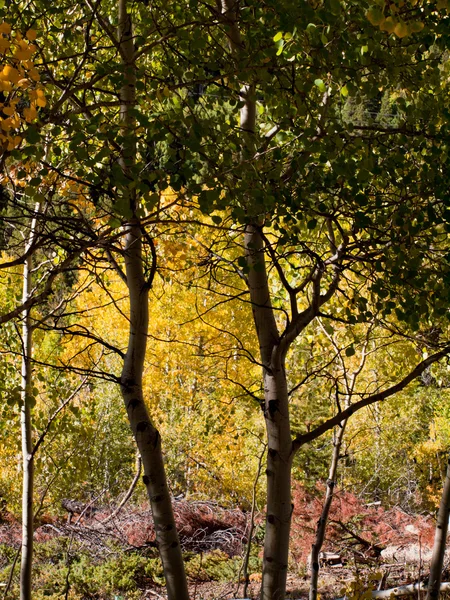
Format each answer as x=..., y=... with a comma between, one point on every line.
x=114, y=223
x=335, y=6
x=374, y=15
x=350, y=351
x=320, y=84
x=32, y=135
x=278, y=36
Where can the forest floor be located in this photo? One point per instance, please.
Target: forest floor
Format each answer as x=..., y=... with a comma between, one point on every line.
x=102, y=558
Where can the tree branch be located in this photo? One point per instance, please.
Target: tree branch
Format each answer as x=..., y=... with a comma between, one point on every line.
x=305, y=438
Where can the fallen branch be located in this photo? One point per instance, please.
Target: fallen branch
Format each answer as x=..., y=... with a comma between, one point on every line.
x=406, y=590
x=402, y=590
x=366, y=543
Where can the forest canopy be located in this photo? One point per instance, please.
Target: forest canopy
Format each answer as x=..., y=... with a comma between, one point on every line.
x=224, y=235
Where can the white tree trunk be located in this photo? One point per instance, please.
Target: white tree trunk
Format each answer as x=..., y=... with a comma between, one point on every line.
x=146, y=435
x=25, y=421
x=276, y=414
x=440, y=538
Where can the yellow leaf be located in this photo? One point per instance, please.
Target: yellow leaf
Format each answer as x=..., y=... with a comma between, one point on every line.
x=14, y=142
x=5, y=86
x=4, y=44
x=10, y=74
x=374, y=15
x=23, y=83
x=34, y=75
x=8, y=110
x=401, y=30
x=5, y=28
x=388, y=25
x=23, y=54
x=30, y=114
x=31, y=35
x=6, y=124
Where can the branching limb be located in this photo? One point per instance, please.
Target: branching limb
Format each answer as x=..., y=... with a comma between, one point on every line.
x=305, y=438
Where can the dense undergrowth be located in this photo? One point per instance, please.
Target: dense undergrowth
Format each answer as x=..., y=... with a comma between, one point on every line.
x=94, y=558
x=64, y=569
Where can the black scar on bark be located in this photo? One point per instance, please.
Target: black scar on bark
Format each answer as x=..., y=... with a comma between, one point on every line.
x=133, y=403
x=271, y=519
x=128, y=384
x=142, y=426
x=157, y=438
x=273, y=407
x=156, y=498
x=146, y=479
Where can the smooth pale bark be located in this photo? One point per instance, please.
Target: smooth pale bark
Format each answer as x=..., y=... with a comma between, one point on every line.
x=252, y=526
x=27, y=445
x=323, y=520
x=440, y=539
x=25, y=422
x=276, y=400
x=276, y=414
x=147, y=436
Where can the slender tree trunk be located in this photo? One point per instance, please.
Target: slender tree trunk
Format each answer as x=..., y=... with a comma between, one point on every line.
x=279, y=503
x=248, y=549
x=440, y=538
x=27, y=442
x=276, y=414
x=129, y=492
x=147, y=436
x=322, y=523
x=276, y=405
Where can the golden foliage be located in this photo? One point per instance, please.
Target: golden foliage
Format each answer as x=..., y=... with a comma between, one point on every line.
x=19, y=83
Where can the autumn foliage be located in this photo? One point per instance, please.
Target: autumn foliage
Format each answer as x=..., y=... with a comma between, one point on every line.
x=21, y=92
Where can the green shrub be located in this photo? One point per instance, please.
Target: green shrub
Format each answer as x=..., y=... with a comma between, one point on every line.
x=218, y=566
